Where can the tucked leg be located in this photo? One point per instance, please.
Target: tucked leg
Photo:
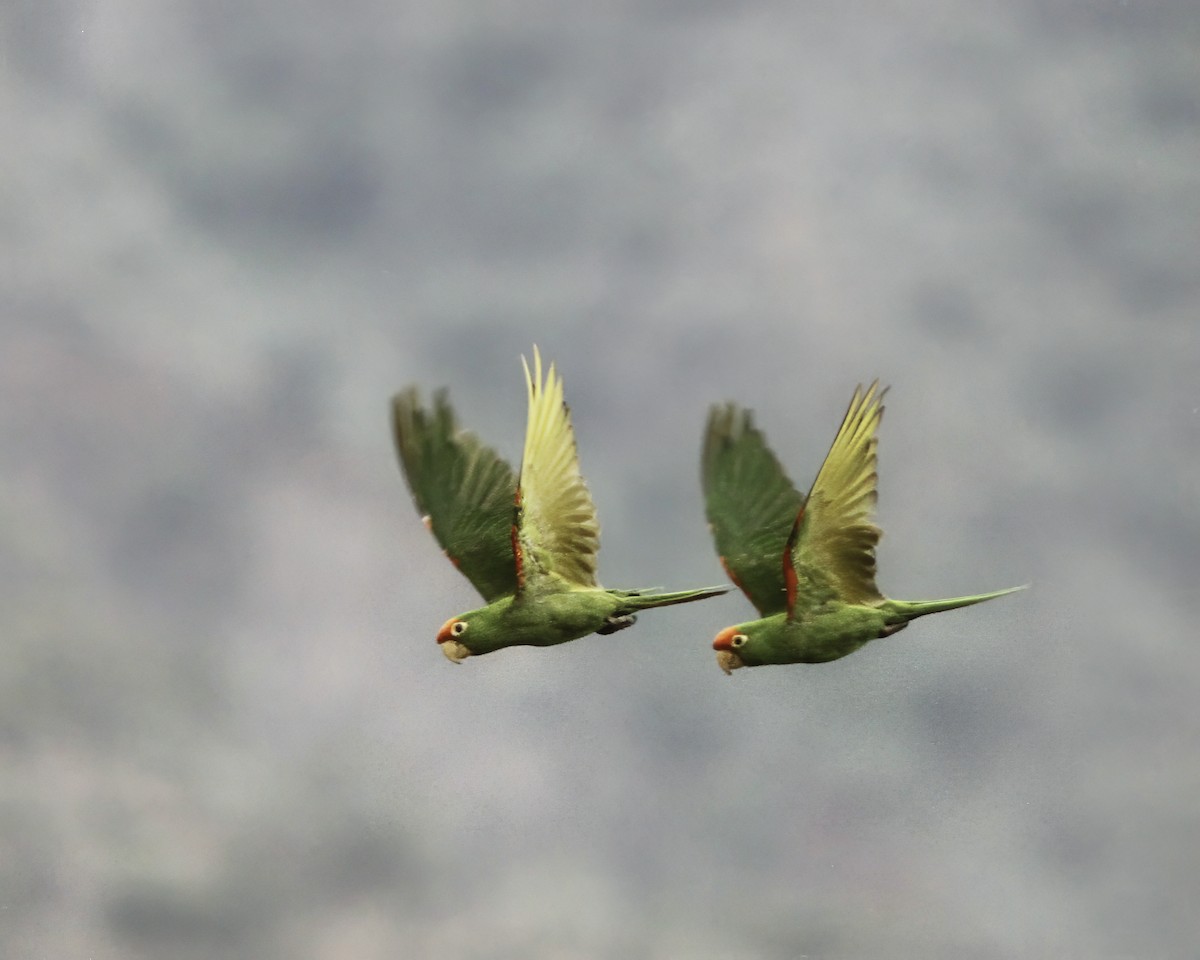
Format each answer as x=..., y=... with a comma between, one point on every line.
x=613, y=624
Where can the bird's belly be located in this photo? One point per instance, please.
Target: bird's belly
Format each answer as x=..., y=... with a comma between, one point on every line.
x=833, y=635
x=557, y=618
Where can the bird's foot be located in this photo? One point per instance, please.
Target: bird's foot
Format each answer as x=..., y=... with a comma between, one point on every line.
x=613, y=624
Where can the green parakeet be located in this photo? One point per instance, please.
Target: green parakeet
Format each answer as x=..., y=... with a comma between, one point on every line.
x=807, y=564
x=528, y=544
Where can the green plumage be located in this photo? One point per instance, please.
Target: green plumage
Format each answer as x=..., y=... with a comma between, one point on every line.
x=462, y=488
x=751, y=505
x=806, y=563
x=527, y=544
x=560, y=614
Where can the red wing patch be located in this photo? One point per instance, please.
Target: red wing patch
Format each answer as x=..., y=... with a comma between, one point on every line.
x=790, y=581
x=733, y=577
x=515, y=536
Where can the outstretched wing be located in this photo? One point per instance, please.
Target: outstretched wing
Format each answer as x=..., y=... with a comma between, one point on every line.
x=750, y=503
x=462, y=488
x=558, y=532
x=833, y=541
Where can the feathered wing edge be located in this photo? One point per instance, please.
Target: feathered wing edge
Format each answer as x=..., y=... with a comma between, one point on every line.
x=559, y=532
x=750, y=504
x=832, y=544
x=462, y=488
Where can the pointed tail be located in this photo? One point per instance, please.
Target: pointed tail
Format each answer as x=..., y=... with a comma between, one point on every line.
x=905, y=610
x=645, y=600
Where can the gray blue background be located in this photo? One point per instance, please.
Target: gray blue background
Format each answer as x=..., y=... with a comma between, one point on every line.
x=230, y=230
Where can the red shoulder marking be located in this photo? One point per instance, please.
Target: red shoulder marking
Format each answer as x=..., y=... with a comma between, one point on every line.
x=515, y=536
x=790, y=581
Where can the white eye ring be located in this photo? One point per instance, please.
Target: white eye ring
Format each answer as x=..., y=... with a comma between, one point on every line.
x=738, y=639
x=458, y=628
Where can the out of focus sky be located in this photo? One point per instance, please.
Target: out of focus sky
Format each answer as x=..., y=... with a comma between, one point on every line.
x=231, y=230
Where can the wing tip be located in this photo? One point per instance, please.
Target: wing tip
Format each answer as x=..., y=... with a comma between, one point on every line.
x=728, y=422
x=736, y=418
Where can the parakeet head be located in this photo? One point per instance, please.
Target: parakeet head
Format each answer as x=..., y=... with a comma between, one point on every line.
x=744, y=645
x=454, y=638
x=729, y=644
x=476, y=632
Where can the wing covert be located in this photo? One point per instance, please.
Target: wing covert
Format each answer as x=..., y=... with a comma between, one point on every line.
x=462, y=488
x=750, y=503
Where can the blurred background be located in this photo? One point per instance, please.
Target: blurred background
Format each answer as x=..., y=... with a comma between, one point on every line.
x=231, y=230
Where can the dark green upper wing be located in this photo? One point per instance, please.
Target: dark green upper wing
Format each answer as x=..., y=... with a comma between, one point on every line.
x=750, y=503
x=463, y=489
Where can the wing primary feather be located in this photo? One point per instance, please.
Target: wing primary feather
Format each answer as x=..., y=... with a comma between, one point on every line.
x=559, y=532
x=462, y=489
x=750, y=503
x=834, y=555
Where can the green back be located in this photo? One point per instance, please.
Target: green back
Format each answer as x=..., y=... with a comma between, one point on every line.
x=750, y=503
x=462, y=488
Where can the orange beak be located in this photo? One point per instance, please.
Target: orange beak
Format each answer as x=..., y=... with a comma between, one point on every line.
x=727, y=660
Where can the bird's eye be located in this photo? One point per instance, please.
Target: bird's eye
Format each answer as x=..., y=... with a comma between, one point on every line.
x=459, y=628
x=738, y=639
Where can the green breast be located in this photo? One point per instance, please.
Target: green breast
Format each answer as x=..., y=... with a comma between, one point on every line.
x=829, y=635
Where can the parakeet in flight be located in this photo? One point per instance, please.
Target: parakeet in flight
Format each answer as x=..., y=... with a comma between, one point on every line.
x=807, y=564
x=528, y=543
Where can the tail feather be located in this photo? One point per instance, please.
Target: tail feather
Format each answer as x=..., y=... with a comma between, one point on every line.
x=905, y=610
x=646, y=599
